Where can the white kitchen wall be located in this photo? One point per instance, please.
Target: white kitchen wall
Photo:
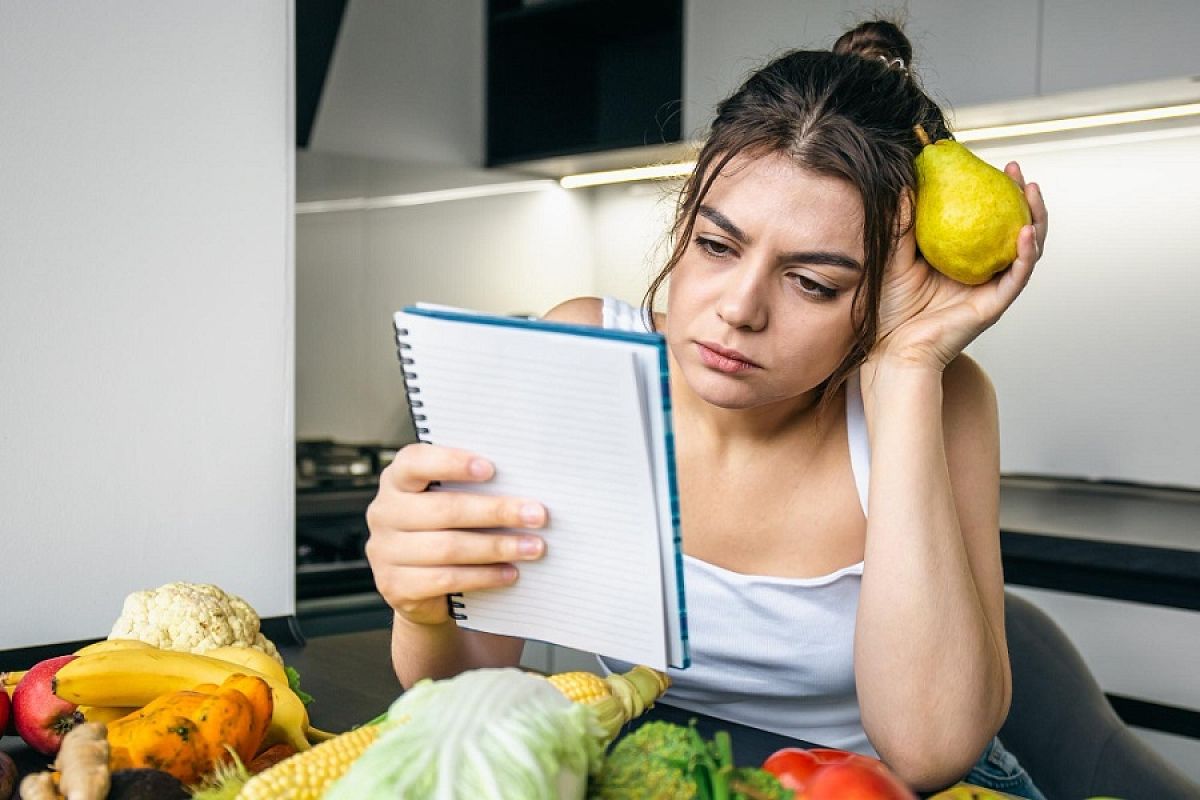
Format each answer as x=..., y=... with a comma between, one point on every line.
x=146, y=429
x=1095, y=365
x=510, y=254
x=630, y=223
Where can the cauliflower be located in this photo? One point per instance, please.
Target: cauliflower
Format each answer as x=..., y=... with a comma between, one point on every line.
x=191, y=617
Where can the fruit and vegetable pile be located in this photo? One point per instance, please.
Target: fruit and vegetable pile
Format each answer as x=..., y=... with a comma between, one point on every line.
x=187, y=699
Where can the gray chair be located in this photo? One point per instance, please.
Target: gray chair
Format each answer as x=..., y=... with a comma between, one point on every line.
x=1062, y=728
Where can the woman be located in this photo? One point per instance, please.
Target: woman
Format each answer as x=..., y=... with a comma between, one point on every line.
x=816, y=371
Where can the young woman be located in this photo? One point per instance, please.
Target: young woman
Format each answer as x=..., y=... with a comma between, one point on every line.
x=816, y=373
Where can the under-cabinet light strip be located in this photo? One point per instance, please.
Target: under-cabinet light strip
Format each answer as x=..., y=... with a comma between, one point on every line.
x=424, y=198
x=682, y=169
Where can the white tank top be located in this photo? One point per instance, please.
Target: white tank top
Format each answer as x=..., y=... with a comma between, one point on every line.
x=773, y=653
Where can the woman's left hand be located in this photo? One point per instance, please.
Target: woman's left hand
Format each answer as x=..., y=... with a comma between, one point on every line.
x=927, y=318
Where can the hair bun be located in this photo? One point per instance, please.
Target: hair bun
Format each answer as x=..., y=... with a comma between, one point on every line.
x=878, y=39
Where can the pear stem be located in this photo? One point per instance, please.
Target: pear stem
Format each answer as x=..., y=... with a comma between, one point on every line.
x=922, y=137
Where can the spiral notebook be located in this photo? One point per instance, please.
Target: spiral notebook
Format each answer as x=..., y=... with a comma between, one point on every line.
x=579, y=418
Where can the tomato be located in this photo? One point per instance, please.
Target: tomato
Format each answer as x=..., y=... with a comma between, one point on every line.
x=793, y=766
x=828, y=774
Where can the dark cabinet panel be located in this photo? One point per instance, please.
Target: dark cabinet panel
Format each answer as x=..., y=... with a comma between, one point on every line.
x=584, y=76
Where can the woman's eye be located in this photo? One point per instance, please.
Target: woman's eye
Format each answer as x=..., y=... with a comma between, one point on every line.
x=713, y=247
x=820, y=291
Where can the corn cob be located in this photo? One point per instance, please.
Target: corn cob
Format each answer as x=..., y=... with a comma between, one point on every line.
x=306, y=776
x=615, y=698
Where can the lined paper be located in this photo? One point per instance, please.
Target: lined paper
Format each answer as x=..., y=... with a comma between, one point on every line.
x=567, y=421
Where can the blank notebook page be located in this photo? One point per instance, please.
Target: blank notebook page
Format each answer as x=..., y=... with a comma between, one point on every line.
x=572, y=438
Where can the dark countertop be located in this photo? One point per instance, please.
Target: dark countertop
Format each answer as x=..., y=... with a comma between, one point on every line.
x=1122, y=542
x=1102, y=512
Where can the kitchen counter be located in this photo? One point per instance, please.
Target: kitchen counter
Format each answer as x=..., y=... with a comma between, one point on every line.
x=1121, y=542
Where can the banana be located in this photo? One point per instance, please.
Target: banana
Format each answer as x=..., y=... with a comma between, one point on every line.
x=134, y=677
x=109, y=645
x=9, y=680
x=250, y=658
x=105, y=714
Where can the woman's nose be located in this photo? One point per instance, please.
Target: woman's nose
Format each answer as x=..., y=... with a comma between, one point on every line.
x=742, y=303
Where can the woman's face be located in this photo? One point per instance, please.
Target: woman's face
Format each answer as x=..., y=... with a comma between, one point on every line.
x=759, y=305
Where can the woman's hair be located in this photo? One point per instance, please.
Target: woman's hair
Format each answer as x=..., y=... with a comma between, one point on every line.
x=848, y=113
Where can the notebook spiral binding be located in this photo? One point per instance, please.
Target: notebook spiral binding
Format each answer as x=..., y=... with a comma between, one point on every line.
x=410, y=387
x=454, y=600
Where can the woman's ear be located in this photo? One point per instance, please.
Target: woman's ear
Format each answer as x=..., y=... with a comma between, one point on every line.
x=906, y=214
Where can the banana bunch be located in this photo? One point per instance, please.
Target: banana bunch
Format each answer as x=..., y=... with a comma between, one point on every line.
x=117, y=675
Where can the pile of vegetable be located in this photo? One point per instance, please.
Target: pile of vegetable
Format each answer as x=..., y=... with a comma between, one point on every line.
x=187, y=699
x=187, y=688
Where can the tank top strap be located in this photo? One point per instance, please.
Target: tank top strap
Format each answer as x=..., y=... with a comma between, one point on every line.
x=619, y=315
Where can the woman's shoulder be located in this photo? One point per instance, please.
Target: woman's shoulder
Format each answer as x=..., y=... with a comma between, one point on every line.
x=578, y=310
x=609, y=312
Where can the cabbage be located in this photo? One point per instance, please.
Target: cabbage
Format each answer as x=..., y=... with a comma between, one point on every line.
x=488, y=734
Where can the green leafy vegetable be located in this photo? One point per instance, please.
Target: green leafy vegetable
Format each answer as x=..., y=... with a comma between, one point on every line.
x=294, y=684
x=663, y=761
x=488, y=733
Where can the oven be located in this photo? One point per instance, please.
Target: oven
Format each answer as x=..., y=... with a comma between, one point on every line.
x=335, y=482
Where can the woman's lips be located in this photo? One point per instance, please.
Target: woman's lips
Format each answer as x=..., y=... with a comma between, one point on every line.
x=721, y=359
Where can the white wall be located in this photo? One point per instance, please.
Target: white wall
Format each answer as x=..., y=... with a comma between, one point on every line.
x=630, y=224
x=145, y=307
x=509, y=254
x=1095, y=365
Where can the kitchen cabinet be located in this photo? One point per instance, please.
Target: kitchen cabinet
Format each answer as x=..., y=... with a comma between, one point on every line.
x=971, y=53
x=966, y=53
x=579, y=76
x=724, y=42
x=1092, y=43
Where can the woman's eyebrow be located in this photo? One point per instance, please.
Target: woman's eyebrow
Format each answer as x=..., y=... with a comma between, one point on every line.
x=822, y=257
x=724, y=223
x=825, y=257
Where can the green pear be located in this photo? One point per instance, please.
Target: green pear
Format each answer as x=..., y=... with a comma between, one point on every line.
x=968, y=212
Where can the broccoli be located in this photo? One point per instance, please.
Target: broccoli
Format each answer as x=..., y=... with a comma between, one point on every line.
x=644, y=764
x=663, y=761
x=753, y=783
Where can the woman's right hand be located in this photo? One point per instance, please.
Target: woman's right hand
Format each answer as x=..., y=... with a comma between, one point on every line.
x=422, y=546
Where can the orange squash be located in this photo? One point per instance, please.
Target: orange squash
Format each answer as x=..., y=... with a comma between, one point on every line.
x=186, y=733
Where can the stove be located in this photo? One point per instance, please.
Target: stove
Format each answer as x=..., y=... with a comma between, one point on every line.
x=335, y=482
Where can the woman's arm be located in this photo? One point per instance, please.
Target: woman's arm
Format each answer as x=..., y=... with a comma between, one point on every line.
x=931, y=662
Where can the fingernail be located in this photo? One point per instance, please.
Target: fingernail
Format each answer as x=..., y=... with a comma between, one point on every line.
x=531, y=514
x=529, y=546
x=479, y=468
x=508, y=573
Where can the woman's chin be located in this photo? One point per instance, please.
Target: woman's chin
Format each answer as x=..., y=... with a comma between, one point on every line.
x=724, y=393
